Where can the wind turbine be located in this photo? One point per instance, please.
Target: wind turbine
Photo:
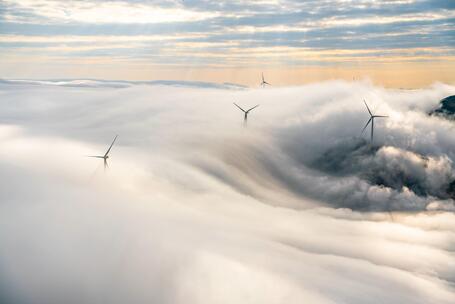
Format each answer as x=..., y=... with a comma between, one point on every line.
x=106, y=155
x=372, y=117
x=263, y=83
x=245, y=118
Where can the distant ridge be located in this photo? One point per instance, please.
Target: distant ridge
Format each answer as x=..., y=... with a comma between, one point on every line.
x=446, y=108
x=94, y=83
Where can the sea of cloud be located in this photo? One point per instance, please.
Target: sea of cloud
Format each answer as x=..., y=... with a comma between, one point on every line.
x=297, y=207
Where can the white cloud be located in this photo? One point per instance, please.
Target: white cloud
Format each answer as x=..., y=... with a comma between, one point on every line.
x=197, y=209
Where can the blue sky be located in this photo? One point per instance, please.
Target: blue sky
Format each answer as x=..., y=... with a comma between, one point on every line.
x=212, y=39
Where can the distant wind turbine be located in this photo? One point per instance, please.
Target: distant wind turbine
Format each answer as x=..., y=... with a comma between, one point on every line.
x=263, y=83
x=245, y=117
x=372, y=117
x=106, y=155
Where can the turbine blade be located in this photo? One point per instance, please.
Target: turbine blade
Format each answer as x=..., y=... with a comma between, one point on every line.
x=105, y=165
x=366, y=125
x=96, y=156
x=263, y=77
x=380, y=116
x=252, y=108
x=367, y=107
x=239, y=107
x=108, y=150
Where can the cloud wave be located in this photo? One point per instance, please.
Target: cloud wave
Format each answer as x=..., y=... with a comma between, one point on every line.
x=195, y=208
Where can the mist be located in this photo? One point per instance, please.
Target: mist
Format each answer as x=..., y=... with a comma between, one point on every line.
x=296, y=207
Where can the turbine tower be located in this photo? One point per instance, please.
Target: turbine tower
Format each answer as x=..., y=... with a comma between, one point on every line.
x=106, y=155
x=263, y=83
x=372, y=117
x=245, y=117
